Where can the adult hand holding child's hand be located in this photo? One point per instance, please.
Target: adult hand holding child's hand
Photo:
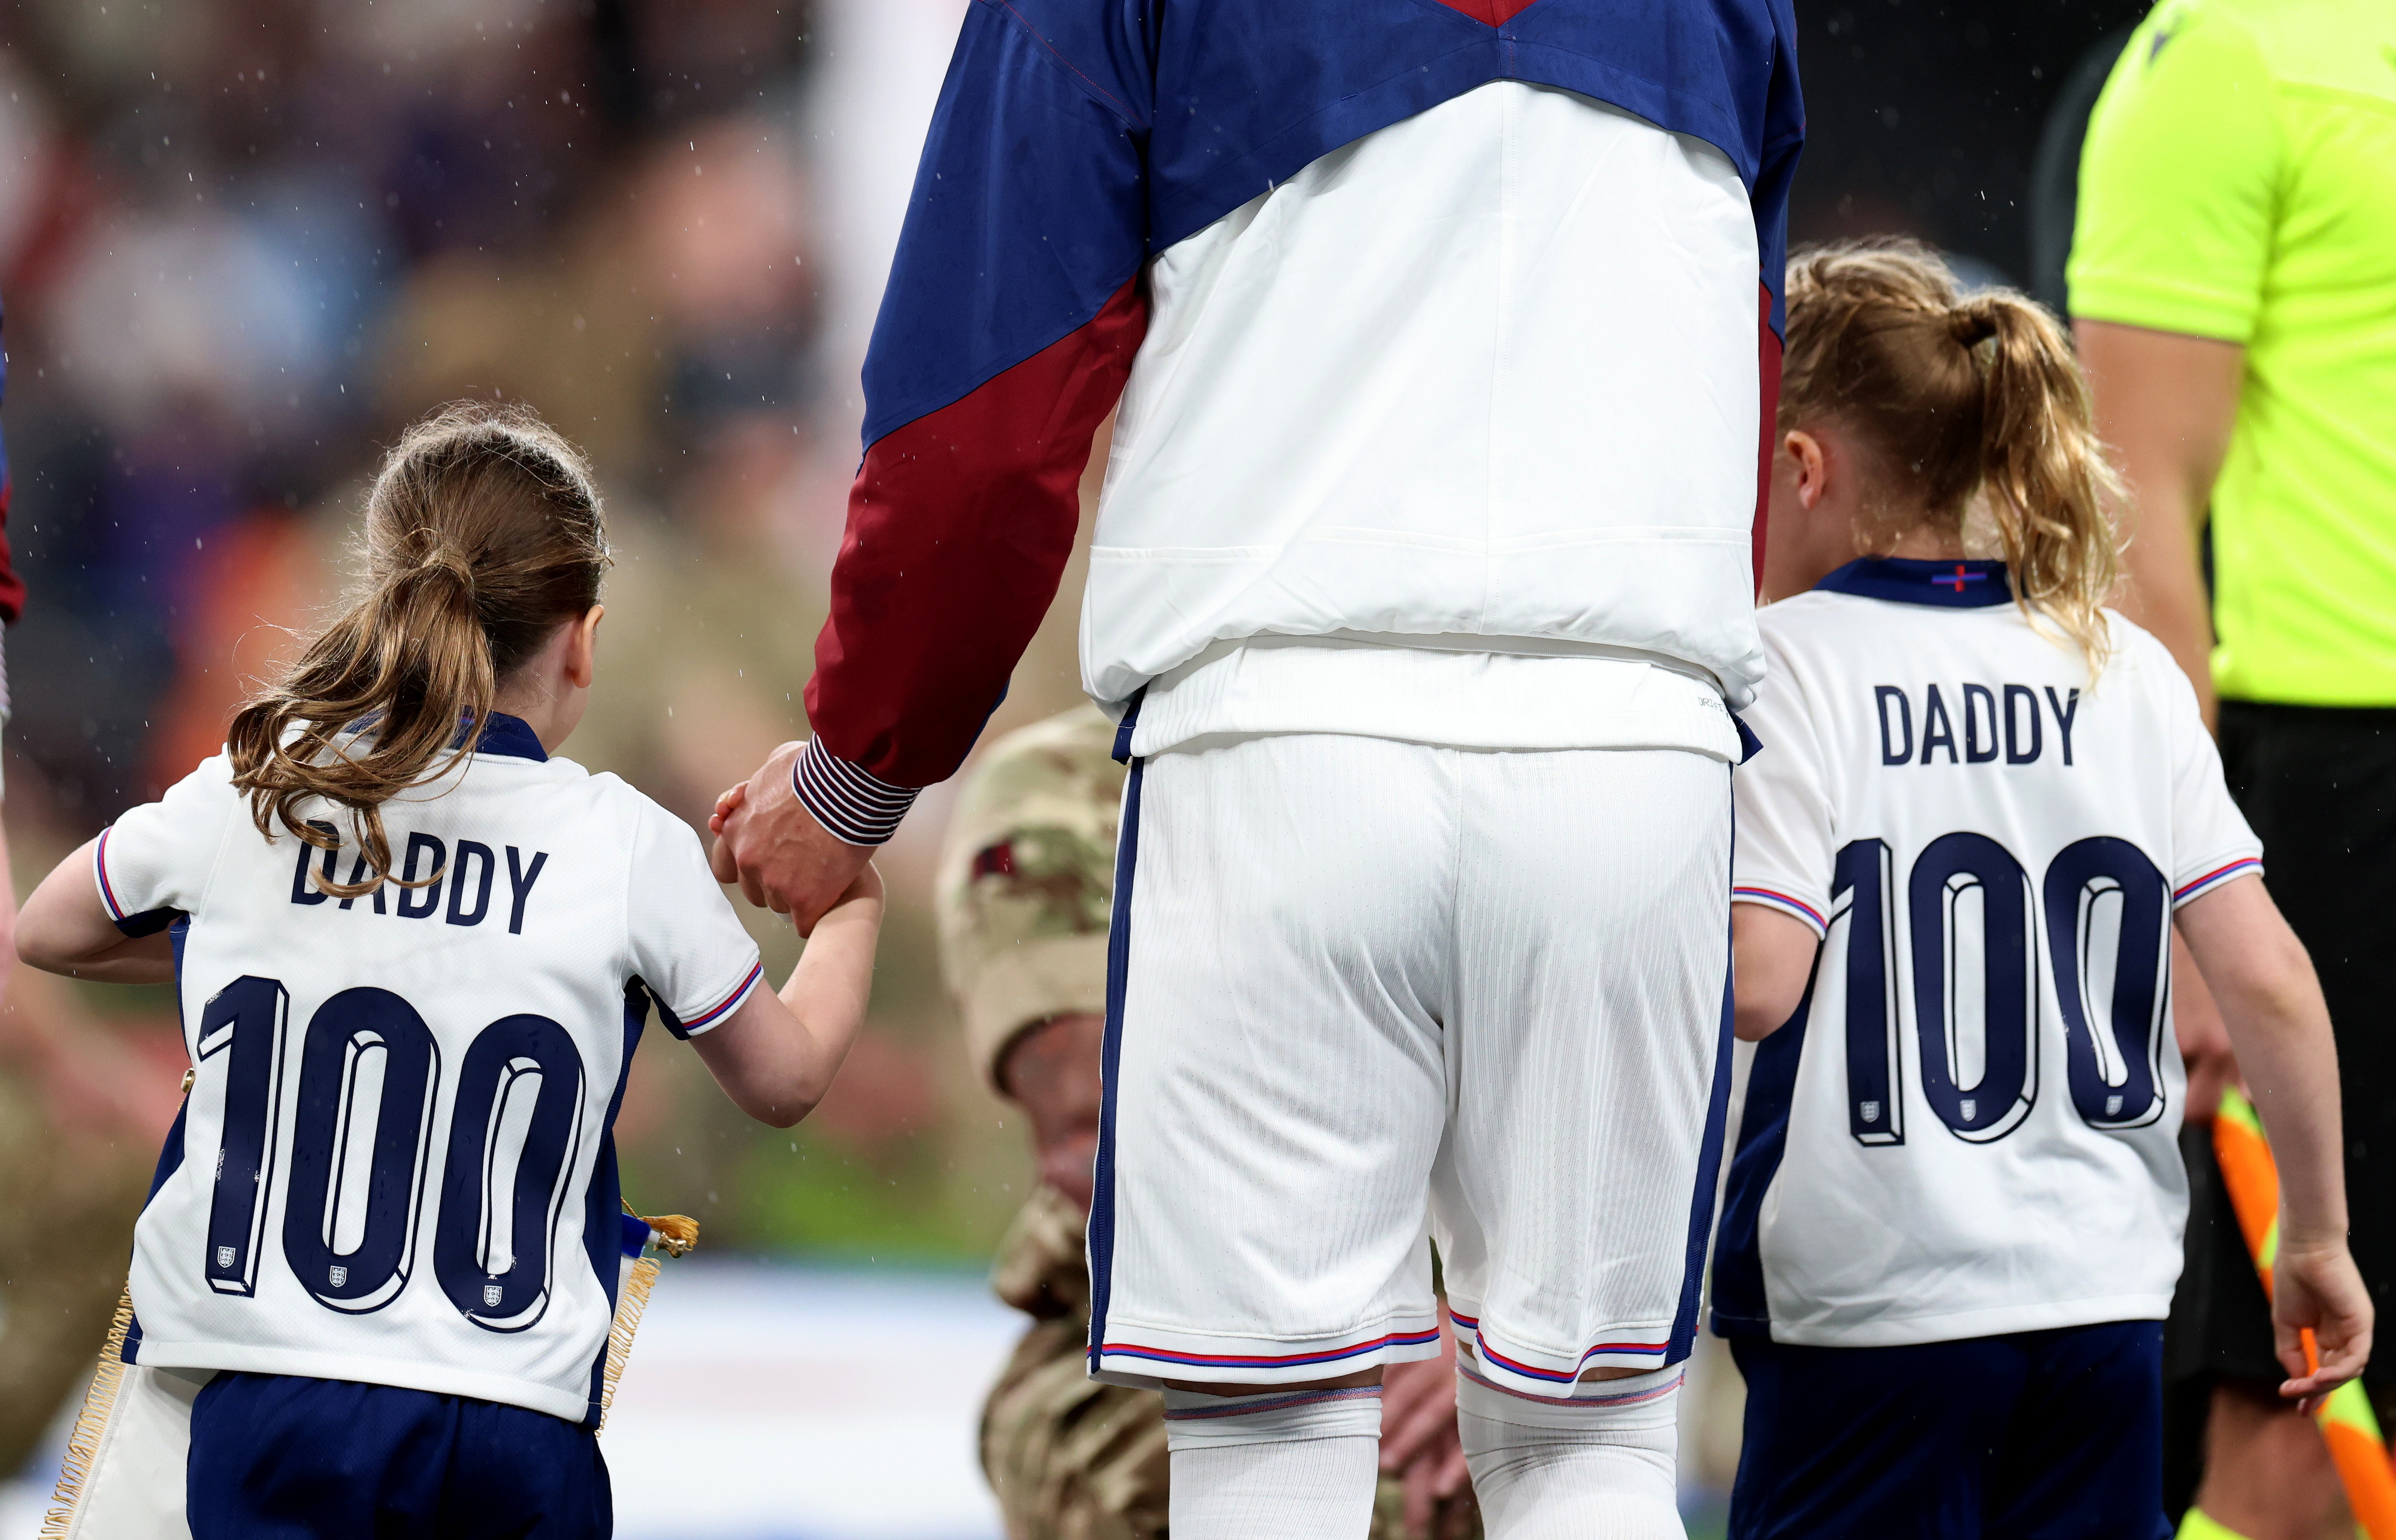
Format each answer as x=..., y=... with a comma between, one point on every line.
x=785, y=859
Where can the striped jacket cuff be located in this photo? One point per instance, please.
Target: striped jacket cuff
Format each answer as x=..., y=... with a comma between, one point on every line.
x=855, y=806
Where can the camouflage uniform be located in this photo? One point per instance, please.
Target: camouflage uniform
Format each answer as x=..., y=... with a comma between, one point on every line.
x=1027, y=881
x=1068, y=1458
x=1026, y=891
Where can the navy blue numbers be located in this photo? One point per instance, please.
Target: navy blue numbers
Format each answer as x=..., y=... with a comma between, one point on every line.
x=1969, y=905
x=1969, y=935
x=511, y=1140
x=244, y=1025
x=361, y=1138
x=2107, y=910
x=1875, y=1112
x=366, y=1075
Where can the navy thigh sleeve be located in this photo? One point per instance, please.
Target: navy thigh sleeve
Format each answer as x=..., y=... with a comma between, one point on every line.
x=286, y=1457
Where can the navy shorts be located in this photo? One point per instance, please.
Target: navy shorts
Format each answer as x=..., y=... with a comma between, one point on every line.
x=2050, y=1435
x=285, y=1457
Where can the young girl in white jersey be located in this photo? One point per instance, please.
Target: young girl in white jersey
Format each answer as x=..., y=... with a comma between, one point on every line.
x=1984, y=801
x=414, y=954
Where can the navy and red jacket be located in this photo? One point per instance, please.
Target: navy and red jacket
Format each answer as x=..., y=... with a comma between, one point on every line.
x=1074, y=141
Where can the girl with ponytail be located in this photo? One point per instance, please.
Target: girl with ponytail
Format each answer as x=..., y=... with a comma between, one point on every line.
x=1961, y=425
x=1984, y=807
x=482, y=537
x=375, y=1282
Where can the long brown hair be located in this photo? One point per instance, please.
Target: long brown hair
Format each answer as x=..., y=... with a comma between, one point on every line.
x=1959, y=396
x=482, y=534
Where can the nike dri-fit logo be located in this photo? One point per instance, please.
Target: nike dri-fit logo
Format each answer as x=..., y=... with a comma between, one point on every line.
x=1491, y=13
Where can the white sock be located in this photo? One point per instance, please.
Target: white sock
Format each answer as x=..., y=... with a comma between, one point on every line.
x=1598, y=1466
x=1294, y=1465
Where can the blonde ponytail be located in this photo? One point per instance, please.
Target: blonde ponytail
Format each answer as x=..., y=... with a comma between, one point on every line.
x=2043, y=469
x=482, y=534
x=1967, y=400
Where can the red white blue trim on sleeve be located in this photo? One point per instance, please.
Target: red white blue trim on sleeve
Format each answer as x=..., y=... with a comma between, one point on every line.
x=100, y=872
x=1074, y=142
x=716, y=1013
x=2199, y=887
x=146, y=923
x=1773, y=899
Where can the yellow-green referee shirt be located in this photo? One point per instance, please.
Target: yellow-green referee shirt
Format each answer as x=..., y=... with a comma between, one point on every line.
x=2239, y=182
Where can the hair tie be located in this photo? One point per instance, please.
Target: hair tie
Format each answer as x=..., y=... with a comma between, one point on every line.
x=444, y=558
x=1971, y=324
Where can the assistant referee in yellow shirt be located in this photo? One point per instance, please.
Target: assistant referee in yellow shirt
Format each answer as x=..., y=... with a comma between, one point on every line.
x=2234, y=279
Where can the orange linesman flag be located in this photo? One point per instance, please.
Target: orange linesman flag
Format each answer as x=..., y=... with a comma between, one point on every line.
x=2253, y=1178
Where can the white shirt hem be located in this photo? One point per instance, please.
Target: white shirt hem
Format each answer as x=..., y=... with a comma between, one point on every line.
x=407, y=1374
x=1434, y=692
x=1885, y=1330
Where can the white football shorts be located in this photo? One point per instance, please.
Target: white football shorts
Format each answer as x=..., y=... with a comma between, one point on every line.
x=1366, y=991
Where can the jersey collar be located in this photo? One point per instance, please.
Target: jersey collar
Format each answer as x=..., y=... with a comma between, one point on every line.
x=1943, y=585
x=513, y=737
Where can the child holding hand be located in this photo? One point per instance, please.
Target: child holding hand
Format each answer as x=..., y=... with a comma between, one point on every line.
x=414, y=952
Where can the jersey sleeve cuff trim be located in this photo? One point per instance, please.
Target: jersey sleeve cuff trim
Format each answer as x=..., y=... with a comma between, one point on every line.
x=2215, y=878
x=100, y=872
x=147, y=922
x=694, y=1025
x=854, y=806
x=1782, y=901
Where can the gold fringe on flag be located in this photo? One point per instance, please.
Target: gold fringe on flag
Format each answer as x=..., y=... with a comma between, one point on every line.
x=674, y=1234
x=630, y=1303
x=91, y=1425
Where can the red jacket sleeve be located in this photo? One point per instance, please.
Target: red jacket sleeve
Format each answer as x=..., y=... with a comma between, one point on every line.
x=1007, y=332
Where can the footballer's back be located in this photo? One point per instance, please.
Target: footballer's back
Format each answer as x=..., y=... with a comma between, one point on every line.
x=1969, y=1126
x=395, y=1163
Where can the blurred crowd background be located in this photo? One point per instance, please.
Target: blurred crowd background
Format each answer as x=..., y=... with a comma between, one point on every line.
x=243, y=241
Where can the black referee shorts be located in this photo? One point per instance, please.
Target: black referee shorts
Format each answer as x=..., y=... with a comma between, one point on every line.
x=2319, y=785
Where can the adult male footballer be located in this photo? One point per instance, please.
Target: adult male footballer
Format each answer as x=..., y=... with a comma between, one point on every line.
x=1420, y=588
x=1025, y=893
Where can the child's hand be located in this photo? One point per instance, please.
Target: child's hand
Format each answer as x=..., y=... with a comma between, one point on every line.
x=2318, y=1291
x=859, y=904
x=725, y=805
x=862, y=899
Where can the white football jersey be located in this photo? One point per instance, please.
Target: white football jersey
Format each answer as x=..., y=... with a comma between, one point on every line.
x=1969, y=1126
x=395, y=1165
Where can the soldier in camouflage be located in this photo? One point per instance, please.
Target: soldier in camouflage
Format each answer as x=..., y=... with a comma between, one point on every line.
x=1026, y=890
